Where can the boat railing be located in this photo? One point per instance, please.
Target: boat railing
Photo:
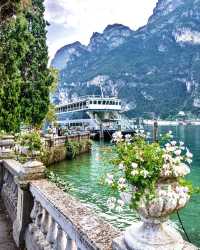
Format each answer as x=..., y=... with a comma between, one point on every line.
x=82, y=98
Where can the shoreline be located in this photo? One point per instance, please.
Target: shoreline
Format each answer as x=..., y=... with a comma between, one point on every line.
x=172, y=123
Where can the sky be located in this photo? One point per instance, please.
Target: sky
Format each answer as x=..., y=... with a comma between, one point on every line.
x=76, y=20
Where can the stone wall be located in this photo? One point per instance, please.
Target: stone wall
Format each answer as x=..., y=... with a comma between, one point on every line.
x=56, y=150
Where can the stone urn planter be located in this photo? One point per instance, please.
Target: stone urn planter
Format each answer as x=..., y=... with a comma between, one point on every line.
x=153, y=232
x=147, y=176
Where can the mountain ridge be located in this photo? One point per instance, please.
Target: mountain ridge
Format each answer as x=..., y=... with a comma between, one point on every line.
x=154, y=70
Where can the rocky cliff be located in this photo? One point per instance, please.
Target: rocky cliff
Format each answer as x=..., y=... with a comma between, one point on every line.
x=154, y=70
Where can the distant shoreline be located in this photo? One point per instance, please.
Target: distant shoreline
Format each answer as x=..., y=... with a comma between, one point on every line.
x=172, y=123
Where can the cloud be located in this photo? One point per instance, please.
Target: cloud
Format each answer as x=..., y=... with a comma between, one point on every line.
x=73, y=20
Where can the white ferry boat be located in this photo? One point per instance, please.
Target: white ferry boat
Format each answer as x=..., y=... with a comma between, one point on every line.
x=92, y=112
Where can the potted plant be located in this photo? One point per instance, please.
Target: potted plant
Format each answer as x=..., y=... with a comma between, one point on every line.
x=149, y=177
x=30, y=144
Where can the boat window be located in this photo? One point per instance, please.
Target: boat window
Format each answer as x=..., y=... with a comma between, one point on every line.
x=99, y=102
x=104, y=102
x=90, y=102
x=95, y=102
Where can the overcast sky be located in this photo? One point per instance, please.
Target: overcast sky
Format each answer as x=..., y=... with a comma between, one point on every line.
x=76, y=20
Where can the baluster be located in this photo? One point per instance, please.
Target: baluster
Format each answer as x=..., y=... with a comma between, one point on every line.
x=69, y=243
x=45, y=223
x=32, y=226
x=61, y=241
x=52, y=232
x=38, y=220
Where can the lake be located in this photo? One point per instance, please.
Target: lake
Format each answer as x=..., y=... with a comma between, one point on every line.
x=85, y=173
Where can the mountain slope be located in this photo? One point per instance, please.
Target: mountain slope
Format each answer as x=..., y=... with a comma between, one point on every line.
x=155, y=69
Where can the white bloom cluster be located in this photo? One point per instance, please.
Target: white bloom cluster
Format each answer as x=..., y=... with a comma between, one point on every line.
x=128, y=138
x=113, y=203
x=176, y=155
x=117, y=137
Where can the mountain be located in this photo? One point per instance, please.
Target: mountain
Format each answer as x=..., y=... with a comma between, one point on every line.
x=154, y=70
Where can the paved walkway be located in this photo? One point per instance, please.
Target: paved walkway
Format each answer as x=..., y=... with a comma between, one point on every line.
x=6, y=241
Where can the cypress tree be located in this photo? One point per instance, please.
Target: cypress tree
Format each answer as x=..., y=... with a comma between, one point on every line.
x=14, y=43
x=37, y=77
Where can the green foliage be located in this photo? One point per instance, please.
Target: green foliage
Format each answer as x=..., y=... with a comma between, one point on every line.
x=32, y=141
x=37, y=77
x=51, y=114
x=73, y=147
x=14, y=44
x=25, y=78
x=62, y=184
x=148, y=158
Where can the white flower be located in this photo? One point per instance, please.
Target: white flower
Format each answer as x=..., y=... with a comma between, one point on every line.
x=177, y=160
x=189, y=161
x=134, y=172
x=170, y=132
x=145, y=173
x=111, y=202
x=121, y=203
x=167, y=157
x=128, y=138
x=182, y=201
x=122, y=183
x=126, y=197
x=109, y=179
x=122, y=180
x=173, y=143
x=121, y=166
x=117, y=136
x=181, y=143
x=134, y=165
x=188, y=154
x=177, y=152
x=181, y=170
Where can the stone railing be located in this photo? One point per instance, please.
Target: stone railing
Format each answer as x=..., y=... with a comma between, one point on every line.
x=46, y=218
x=9, y=190
x=61, y=222
x=7, y=144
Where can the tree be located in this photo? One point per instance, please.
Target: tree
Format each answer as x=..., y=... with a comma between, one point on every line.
x=37, y=77
x=14, y=44
x=8, y=8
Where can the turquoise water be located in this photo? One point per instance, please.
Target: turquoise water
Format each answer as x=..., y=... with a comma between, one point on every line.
x=85, y=172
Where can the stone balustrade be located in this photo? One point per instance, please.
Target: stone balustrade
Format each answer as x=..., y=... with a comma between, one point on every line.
x=9, y=189
x=46, y=218
x=61, y=222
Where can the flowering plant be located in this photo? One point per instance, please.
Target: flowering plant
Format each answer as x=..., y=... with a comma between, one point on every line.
x=140, y=165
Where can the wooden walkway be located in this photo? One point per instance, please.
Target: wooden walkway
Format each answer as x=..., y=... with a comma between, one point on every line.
x=6, y=240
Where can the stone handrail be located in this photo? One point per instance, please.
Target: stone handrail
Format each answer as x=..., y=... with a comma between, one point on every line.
x=61, y=222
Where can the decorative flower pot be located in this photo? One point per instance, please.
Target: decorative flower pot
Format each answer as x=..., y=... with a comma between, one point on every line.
x=153, y=232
